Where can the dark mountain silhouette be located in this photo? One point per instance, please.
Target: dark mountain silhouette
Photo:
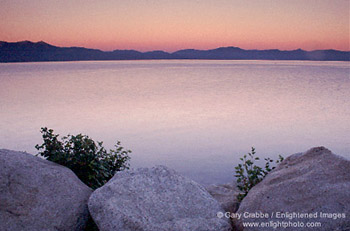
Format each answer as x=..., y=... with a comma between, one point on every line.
x=30, y=52
x=27, y=51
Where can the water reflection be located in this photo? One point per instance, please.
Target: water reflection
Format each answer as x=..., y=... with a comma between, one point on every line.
x=195, y=116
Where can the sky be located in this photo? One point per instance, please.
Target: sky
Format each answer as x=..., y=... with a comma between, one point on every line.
x=172, y=25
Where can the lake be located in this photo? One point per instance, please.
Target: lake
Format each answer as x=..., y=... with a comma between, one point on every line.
x=196, y=116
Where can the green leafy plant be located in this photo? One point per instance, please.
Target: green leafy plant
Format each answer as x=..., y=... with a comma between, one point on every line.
x=249, y=174
x=88, y=159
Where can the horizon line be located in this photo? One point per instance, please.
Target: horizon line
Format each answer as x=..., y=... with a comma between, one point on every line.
x=231, y=46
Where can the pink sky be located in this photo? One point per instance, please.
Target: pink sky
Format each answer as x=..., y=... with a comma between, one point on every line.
x=171, y=25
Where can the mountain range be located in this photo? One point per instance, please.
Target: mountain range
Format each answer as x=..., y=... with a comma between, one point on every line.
x=27, y=51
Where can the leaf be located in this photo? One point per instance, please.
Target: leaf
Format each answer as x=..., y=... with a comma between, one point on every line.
x=88, y=159
x=249, y=174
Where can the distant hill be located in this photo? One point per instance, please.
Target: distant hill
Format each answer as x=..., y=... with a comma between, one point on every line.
x=27, y=51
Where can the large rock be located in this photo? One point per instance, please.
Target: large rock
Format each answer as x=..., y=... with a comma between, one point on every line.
x=306, y=189
x=37, y=194
x=226, y=195
x=155, y=199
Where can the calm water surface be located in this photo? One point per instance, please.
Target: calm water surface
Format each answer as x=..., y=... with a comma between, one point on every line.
x=198, y=117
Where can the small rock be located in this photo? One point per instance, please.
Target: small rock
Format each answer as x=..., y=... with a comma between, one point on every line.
x=226, y=195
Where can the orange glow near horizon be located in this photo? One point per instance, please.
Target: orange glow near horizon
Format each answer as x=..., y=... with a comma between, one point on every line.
x=172, y=25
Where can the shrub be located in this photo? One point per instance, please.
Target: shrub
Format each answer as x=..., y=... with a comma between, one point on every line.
x=88, y=159
x=249, y=174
